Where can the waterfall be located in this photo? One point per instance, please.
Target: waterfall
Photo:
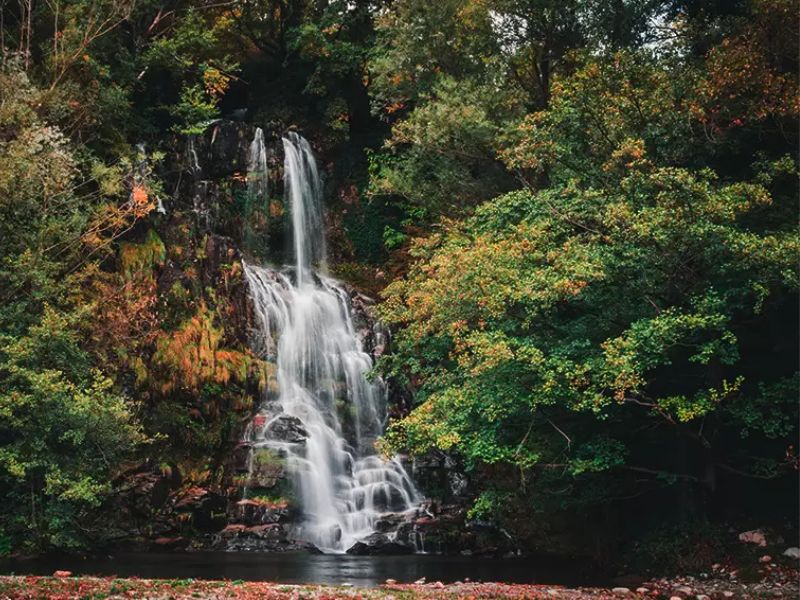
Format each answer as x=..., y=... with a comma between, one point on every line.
x=257, y=173
x=305, y=324
x=303, y=193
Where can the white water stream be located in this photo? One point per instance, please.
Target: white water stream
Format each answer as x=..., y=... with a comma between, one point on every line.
x=257, y=172
x=305, y=325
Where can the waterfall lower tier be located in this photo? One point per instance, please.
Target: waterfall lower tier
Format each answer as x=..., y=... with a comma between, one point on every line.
x=325, y=415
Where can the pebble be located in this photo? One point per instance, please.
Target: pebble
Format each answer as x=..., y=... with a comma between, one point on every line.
x=766, y=558
x=684, y=589
x=676, y=598
x=621, y=590
x=62, y=574
x=702, y=597
x=420, y=581
x=727, y=594
x=438, y=584
x=390, y=581
x=642, y=590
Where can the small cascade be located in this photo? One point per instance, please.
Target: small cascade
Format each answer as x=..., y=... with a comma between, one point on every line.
x=333, y=414
x=191, y=154
x=257, y=173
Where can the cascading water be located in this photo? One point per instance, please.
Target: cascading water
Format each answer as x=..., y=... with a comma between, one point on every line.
x=257, y=173
x=305, y=324
x=303, y=192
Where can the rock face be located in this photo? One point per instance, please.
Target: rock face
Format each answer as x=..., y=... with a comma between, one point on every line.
x=251, y=504
x=441, y=477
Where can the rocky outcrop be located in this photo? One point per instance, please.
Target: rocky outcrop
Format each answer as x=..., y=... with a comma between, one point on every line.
x=269, y=537
x=286, y=429
x=380, y=544
x=441, y=477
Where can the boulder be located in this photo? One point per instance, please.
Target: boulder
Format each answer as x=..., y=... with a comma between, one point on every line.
x=286, y=428
x=756, y=536
x=379, y=544
x=389, y=522
x=269, y=537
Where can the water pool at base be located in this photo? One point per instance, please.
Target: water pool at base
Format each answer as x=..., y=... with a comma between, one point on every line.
x=302, y=567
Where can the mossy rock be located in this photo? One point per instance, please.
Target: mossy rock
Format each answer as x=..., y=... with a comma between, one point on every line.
x=267, y=469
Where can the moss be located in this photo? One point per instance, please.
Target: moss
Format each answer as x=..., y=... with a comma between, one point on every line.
x=267, y=457
x=267, y=473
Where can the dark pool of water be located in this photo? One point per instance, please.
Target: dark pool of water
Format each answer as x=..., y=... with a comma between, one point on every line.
x=302, y=567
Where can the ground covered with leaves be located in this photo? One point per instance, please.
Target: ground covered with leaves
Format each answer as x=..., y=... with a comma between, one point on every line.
x=64, y=588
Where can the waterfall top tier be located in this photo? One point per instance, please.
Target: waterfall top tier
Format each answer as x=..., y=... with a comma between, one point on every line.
x=303, y=193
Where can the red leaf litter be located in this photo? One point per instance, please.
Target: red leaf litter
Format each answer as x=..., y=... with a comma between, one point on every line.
x=62, y=586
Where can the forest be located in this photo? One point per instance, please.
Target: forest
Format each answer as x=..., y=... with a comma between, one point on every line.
x=576, y=220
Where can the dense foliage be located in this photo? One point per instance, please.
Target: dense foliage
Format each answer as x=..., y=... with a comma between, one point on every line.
x=625, y=324
x=584, y=215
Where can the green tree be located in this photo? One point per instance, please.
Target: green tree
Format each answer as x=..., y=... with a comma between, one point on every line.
x=63, y=426
x=546, y=333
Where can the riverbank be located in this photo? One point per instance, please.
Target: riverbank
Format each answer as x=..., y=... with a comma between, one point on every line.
x=65, y=587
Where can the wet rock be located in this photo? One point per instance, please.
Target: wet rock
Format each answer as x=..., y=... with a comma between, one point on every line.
x=270, y=537
x=286, y=428
x=388, y=522
x=379, y=544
